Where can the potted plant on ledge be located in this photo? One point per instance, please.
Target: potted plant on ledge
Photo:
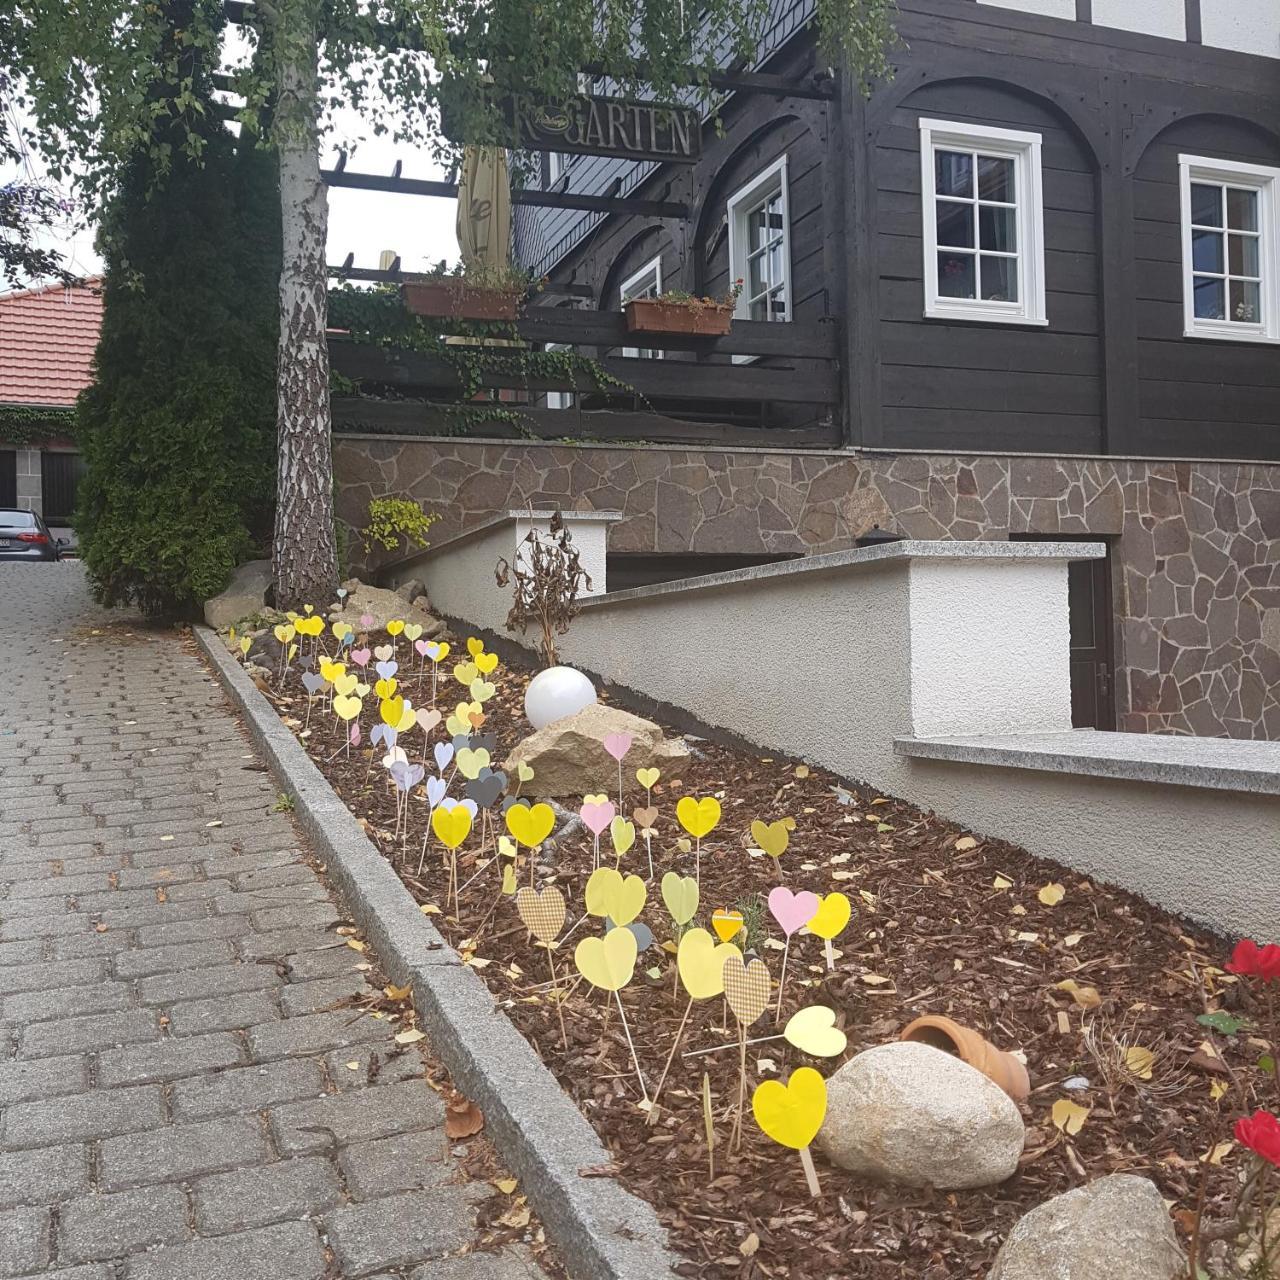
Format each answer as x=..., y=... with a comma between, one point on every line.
x=680, y=312
x=472, y=292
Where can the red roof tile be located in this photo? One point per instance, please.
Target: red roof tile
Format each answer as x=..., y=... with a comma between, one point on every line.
x=47, y=341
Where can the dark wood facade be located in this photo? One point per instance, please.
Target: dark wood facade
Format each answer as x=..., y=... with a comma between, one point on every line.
x=1111, y=372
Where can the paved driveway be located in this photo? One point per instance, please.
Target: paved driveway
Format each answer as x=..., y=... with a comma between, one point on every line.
x=178, y=1098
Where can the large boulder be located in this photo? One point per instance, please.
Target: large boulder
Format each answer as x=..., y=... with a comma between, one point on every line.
x=245, y=596
x=1115, y=1227
x=568, y=756
x=913, y=1114
x=382, y=606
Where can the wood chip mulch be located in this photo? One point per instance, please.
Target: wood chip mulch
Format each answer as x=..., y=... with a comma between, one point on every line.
x=944, y=923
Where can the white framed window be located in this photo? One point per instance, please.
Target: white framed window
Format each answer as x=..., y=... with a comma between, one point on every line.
x=983, y=223
x=760, y=245
x=555, y=167
x=559, y=399
x=645, y=283
x=1230, y=281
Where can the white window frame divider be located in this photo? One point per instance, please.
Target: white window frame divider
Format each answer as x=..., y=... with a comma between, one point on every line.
x=651, y=268
x=1024, y=149
x=1264, y=179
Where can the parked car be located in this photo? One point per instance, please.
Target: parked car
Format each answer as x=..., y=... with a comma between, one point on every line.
x=25, y=536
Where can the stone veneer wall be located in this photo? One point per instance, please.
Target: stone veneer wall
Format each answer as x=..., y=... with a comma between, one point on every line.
x=1195, y=545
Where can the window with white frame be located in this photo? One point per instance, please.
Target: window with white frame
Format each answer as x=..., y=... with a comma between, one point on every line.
x=760, y=245
x=983, y=223
x=1230, y=287
x=555, y=167
x=646, y=283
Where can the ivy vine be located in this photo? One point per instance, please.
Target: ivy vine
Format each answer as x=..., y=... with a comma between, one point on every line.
x=25, y=424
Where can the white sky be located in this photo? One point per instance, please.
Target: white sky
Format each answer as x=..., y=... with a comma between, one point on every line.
x=419, y=228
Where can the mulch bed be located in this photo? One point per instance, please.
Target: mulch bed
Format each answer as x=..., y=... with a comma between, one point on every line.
x=935, y=930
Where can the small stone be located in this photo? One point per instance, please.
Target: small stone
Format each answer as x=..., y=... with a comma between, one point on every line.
x=568, y=756
x=1115, y=1227
x=382, y=606
x=413, y=589
x=910, y=1113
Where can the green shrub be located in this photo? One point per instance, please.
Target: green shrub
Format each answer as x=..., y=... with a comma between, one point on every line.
x=178, y=427
x=391, y=518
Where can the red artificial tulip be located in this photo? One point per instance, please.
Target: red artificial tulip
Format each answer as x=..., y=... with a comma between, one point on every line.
x=1261, y=1134
x=1252, y=961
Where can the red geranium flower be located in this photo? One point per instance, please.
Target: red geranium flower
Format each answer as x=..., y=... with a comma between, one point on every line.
x=1261, y=1134
x=1252, y=961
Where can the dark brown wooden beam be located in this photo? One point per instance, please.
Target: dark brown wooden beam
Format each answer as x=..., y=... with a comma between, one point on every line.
x=528, y=196
x=362, y=414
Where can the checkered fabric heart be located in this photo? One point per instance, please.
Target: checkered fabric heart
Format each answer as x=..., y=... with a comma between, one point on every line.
x=746, y=987
x=542, y=913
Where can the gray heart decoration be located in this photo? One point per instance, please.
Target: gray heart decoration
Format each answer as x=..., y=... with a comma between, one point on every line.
x=313, y=682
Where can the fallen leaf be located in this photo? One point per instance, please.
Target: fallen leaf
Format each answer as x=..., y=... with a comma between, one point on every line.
x=1139, y=1061
x=355, y=944
x=1085, y=997
x=875, y=979
x=506, y=1185
x=1001, y=883
x=463, y=1118
x=517, y=1216
x=412, y=1036
x=965, y=843
x=802, y=771
x=353, y=1066
x=397, y=993
x=1217, y=1088
x=1069, y=1116
x=1215, y=1156
x=749, y=1246
x=1051, y=894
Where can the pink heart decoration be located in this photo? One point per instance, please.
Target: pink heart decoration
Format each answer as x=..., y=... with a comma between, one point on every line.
x=361, y=657
x=598, y=816
x=366, y=620
x=421, y=646
x=791, y=910
x=355, y=734
x=617, y=745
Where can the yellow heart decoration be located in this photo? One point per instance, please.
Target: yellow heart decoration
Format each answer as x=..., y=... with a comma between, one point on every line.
x=346, y=707
x=647, y=777
x=442, y=652
x=395, y=626
x=746, y=987
x=340, y=628
x=530, y=825
x=345, y=685
x=622, y=833
x=792, y=1113
x=680, y=894
x=362, y=689
x=831, y=917
x=459, y=723
x=542, y=913
x=486, y=662
x=407, y=720
x=594, y=799
x=391, y=710
x=524, y=772
x=508, y=879
x=246, y=643
x=464, y=673
x=772, y=837
x=482, y=690
x=602, y=884
x=507, y=847
x=700, y=960
x=312, y=626
x=475, y=646
x=386, y=688
x=607, y=962
x=412, y=630
x=284, y=632
x=470, y=761
x=813, y=1030
x=330, y=671
x=452, y=826
x=726, y=924
x=291, y=653
x=626, y=900
x=698, y=817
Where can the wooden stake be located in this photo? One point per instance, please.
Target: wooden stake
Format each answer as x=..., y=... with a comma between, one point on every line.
x=632, y=1047
x=564, y=1035
x=810, y=1173
x=653, y=1110
x=709, y=1123
x=735, y=1139
x=782, y=978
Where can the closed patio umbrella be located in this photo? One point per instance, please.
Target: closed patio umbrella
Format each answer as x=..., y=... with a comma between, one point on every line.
x=484, y=208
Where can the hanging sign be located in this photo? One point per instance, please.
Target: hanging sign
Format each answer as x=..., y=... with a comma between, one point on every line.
x=595, y=126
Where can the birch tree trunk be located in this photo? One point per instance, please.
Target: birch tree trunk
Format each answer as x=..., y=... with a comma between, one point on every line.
x=304, y=553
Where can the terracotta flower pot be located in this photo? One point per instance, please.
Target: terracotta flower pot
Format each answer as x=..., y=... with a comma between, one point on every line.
x=455, y=299
x=1002, y=1068
x=653, y=315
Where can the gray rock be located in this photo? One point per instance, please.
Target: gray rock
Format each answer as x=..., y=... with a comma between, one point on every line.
x=1115, y=1227
x=910, y=1113
x=413, y=589
x=245, y=596
x=568, y=756
x=382, y=606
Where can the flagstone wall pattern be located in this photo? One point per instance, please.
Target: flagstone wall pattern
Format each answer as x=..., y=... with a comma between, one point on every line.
x=1195, y=545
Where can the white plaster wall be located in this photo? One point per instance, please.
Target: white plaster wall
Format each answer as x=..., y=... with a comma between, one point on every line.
x=1152, y=17
x=1049, y=8
x=1251, y=26
x=460, y=580
x=590, y=538
x=1208, y=855
x=990, y=647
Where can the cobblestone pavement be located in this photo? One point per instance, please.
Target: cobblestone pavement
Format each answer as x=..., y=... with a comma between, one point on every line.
x=176, y=1095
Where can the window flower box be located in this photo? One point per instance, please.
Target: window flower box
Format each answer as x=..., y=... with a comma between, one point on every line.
x=667, y=315
x=455, y=299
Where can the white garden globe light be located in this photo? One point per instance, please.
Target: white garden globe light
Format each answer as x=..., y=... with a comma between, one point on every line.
x=555, y=693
